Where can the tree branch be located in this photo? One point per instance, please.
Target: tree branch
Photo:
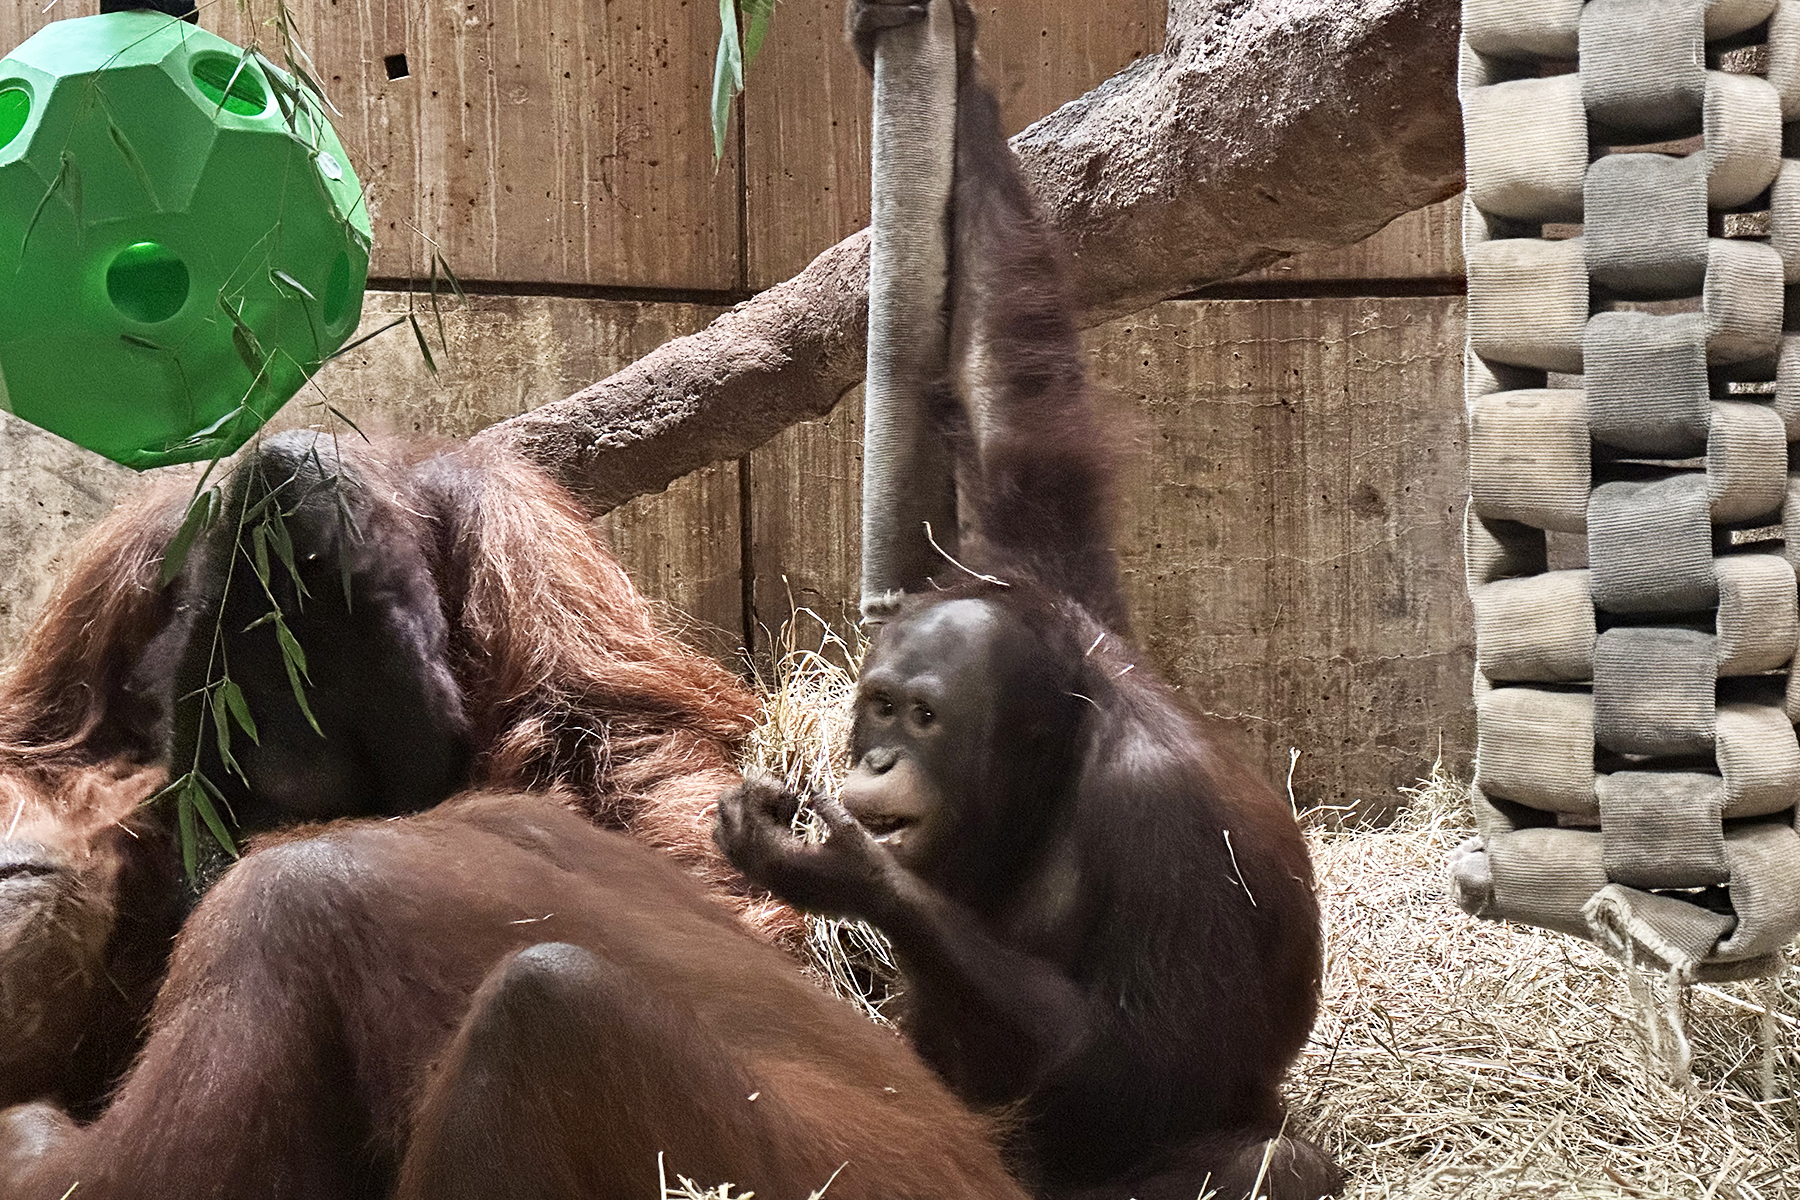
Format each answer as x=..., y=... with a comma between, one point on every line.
x=1265, y=128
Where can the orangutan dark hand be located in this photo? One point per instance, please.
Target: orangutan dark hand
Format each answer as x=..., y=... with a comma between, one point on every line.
x=863, y=19
x=839, y=877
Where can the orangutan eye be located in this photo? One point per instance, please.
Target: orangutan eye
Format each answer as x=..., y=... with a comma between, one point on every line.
x=882, y=706
x=922, y=716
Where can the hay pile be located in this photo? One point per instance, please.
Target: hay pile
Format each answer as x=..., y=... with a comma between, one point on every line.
x=804, y=739
x=1454, y=1059
x=1461, y=1058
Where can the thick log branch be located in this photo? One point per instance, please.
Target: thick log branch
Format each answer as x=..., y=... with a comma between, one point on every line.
x=1265, y=128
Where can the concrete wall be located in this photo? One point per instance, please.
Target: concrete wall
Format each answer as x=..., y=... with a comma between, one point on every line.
x=1293, y=484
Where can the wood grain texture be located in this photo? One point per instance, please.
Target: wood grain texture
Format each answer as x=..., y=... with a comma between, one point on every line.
x=1294, y=545
x=20, y=21
x=507, y=354
x=51, y=492
x=1421, y=245
x=564, y=141
x=1290, y=525
x=806, y=108
x=806, y=522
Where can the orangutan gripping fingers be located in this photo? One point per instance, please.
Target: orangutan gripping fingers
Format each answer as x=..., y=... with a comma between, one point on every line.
x=863, y=21
x=841, y=876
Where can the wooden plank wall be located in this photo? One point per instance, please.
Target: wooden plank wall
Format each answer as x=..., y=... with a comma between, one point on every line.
x=1293, y=484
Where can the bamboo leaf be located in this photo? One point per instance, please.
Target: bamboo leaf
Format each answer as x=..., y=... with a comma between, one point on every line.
x=455, y=283
x=349, y=346
x=222, y=734
x=312, y=85
x=244, y=339
x=348, y=530
x=56, y=185
x=283, y=279
x=199, y=515
x=142, y=343
x=294, y=659
x=133, y=161
x=259, y=553
x=190, y=836
x=233, y=695
x=290, y=647
x=204, y=803
x=728, y=75
x=436, y=309
x=72, y=188
x=759, y=12
x=218, y=430
x=284, y=550
x=424, y=347
x=255, y=512
x=271, y=615
x=344, y=579
x=171, y=787
x=248, y=349
x=340, y=415
x=243, y=58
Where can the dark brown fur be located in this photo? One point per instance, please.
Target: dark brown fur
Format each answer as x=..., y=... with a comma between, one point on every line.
x=563, y=679
x=495, y=1000
x=1105, y=922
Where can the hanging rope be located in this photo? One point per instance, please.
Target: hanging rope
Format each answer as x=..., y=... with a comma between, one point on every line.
x=906, y=470
x=1632, y=385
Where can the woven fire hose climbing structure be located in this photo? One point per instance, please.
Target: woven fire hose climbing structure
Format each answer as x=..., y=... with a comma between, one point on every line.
x=1632, y=230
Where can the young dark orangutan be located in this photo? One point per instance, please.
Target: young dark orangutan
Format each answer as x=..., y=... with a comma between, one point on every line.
x=494, y=1000
x=489, y=639
x=1103, y=920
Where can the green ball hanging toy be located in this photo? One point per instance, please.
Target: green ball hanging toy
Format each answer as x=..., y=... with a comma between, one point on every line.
x=182, y=241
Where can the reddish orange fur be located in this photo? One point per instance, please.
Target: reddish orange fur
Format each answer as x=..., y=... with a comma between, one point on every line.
x=572, y=686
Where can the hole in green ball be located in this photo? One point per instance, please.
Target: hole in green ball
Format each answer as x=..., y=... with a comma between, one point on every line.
x=147, y=282
x=15, y=110
x=230, y=83
x=337, y=290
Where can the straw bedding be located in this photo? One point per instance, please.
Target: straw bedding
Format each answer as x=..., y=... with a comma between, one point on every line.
x=1458, y=1058
x=1454, y=1059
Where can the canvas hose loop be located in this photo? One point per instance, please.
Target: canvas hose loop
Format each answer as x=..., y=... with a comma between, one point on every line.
x=1633, y=391
x=907, y=479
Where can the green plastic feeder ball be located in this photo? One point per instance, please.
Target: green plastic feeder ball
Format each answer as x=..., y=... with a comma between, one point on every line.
x=182, y=241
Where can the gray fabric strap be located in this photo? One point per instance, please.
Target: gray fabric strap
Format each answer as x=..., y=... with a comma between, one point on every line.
x=1535, y=181
x=1653, y=691
x=1646, y=224
x=1784, y=58
x=1646, y=380
x=1663, y=829
x=1523, y=28
x=906, y=470
x=1765, y=888
x=1536, y=747
x=1650, y=546
x=1743, y=138
x=1528, y=458
x=1500, y=549
x=1758, y=623
x=1746, y=462
x=1643, y=64
x=1743, y=301
x=1545, y=876
x=1536, y=629
x=1528, y=302
x=1759, y=757
x=1638, y=770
